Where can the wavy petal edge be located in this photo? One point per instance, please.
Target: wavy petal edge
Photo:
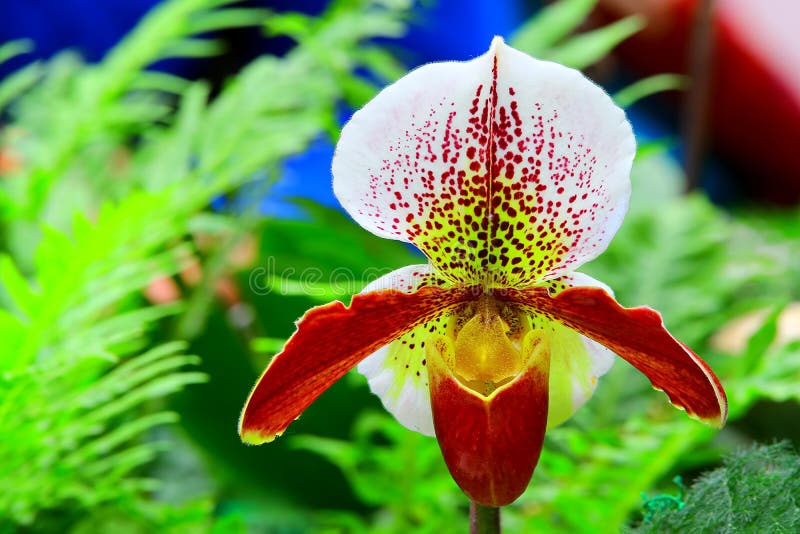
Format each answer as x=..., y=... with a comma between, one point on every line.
x=639, y=336
x=329, y=341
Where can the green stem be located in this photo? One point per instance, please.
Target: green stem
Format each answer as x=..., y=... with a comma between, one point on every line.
x=483, y=519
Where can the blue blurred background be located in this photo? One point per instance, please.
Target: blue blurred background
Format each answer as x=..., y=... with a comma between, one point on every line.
x=441, y=30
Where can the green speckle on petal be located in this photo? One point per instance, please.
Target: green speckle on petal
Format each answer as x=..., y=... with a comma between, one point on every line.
x=406, y=357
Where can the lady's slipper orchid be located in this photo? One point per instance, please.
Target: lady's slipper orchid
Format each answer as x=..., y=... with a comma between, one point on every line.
x=508, y=173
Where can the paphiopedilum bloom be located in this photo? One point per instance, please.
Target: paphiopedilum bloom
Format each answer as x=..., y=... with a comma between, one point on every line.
x=508, y=173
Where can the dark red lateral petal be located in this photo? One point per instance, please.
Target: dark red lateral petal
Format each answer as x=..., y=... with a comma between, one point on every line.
x=638, y=335
x=329, y=341
x=491, y=445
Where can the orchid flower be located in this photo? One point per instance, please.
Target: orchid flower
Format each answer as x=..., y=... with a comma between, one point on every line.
x=508, y=173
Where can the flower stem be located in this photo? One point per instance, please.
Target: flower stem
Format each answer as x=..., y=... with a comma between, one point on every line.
x=483, y=519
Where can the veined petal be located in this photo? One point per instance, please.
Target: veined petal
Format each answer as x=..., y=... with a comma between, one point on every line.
x=638, y=335
x=397, y=372
x=503, y=170
x=329, y=341
x=491, y=443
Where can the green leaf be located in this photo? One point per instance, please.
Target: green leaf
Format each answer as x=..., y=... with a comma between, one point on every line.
x=213, y=224
x=162, y=27
x=12, y=332
x=268, y=345
x=108, y=442
x=225, y=19
x=379, y=61
x=17, y=83
x=16, y=293
x=387, y=464
x=590, y=47
x=657, y=147
x=115, y=466
x=15, y=48
x=291, y=24
x=550, y=25
x=151, y=80
x=760, y=342
x=193, y=48
x=648, y=86
x=311, y=285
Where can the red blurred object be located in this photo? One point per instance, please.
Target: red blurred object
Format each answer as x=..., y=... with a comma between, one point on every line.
x=755, y=91
x=9, y=162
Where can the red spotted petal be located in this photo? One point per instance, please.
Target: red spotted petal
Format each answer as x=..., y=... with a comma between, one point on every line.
x=503, y=170
x=329, y=341
x=491, y=444
x=638, y=335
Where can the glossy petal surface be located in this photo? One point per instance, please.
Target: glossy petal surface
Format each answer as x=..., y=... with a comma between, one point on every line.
x=638, y=335
x=329, y=341
x=503, y=170
x=491, y=444
x=398, y=372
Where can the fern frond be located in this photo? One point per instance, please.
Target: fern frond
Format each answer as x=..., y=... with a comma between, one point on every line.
x=95, y=101
x=108, y=192
x=81, y=415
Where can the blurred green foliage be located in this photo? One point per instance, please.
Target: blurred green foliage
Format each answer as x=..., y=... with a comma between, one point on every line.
x=118, y=409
